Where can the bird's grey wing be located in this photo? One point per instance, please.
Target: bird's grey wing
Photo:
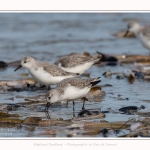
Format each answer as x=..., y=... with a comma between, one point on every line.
x=72, y=61
x=42, y=64
x=56, y=71
x=52, y=69
x=76, y=82
x=68, y=61
x=75, y=61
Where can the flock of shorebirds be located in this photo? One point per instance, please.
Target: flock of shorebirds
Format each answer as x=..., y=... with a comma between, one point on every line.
x=69, y=86
x=65, y=71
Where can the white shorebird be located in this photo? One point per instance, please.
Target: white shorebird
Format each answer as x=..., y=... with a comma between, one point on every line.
x=44, y=72
x=141, y=32
x=77, y=63
x=70, y=89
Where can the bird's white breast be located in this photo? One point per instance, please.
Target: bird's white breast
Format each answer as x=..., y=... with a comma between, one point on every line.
x=72, y=93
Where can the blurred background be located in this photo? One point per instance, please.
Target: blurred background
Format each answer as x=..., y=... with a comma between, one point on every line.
x=48, y=35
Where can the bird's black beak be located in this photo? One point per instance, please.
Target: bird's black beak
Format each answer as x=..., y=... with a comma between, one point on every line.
x=18, y=68
x=126, y=33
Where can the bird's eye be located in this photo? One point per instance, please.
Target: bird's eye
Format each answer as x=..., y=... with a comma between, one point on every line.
x=25, y=61
x=49, y=97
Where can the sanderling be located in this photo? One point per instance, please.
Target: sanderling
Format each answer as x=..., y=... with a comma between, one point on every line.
x=77, y=63
x=141, y=32
x=70, y=89
x=43, y=72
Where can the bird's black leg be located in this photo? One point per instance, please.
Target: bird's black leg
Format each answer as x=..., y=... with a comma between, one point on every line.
x=73, y=109
x=49, y=87
x=67, y=104
x=47, y=106
x=85, y=99
x=73, y=105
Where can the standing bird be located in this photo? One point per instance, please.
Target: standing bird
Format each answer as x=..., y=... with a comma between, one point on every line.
x=77, y=63
x=141, y=32
x=45, y=73
x=70, y=89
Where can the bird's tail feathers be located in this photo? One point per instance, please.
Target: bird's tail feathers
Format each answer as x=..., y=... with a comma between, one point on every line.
x=95, y=81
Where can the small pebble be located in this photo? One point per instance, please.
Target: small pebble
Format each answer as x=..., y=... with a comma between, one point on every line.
x=3, y=64
x=119, y=77
x=107, y=73
x=84, y=113
x=104, y=131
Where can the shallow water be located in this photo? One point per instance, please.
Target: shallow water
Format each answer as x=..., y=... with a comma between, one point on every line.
x=46, y=36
